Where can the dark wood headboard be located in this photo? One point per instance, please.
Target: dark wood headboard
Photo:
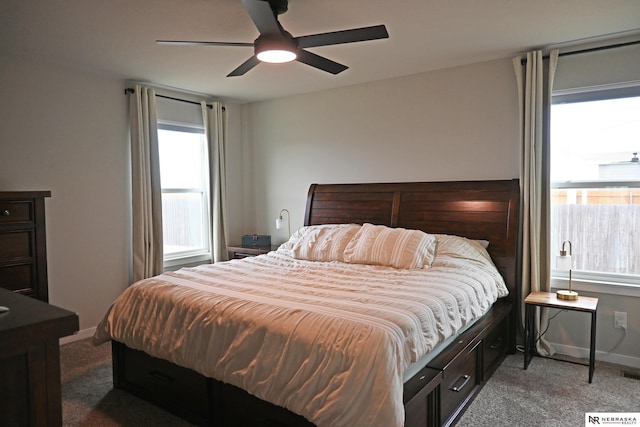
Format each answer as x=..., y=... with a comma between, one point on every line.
x=485, y=210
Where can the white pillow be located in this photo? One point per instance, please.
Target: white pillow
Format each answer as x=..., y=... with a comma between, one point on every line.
x=393, y=247
x=295, y=237
x=461, y=247
x=324, y=242
x=483, y=243
x=472, y=250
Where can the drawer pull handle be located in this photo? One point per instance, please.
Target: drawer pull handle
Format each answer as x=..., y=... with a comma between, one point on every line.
x=162, y=377
x=5, y=212
x=496, y=344
x=465, y=379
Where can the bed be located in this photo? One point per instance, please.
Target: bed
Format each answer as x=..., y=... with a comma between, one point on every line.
x=360, y=359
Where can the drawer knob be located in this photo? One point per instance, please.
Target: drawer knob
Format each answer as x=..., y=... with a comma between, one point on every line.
x=5, y=212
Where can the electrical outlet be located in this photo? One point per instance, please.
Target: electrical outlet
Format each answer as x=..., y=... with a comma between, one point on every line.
x=620, y=319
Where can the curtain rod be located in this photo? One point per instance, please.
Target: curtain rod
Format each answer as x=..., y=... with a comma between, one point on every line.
x=129, y=91
x=589, y=50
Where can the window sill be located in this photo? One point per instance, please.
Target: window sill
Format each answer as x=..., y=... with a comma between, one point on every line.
x=191, y=261
x=601, y=287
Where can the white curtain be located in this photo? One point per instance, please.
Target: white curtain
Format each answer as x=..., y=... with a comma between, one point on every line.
x=534, y=76
x=145, y=182
x=215, y=129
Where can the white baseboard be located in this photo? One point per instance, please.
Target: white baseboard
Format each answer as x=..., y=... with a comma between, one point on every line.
x=80, y=335
x=619, y=359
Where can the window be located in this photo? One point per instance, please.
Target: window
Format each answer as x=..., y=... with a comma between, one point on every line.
x=184, y=182
x=595, y=183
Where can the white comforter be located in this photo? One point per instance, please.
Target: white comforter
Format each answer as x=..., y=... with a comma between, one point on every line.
x=327, y=340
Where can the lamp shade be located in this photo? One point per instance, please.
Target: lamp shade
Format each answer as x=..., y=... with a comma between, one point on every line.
x=563, y=262
x=280, y=221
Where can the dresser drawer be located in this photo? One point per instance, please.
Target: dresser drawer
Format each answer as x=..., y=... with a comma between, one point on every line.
x=494, y=346
x=460, y=379
x=18, y=278
x=167, y=385
x=16, y=245
x=15, y=212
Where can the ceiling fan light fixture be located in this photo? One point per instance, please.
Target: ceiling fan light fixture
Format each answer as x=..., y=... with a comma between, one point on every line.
x=276, y=56
x=275, y=50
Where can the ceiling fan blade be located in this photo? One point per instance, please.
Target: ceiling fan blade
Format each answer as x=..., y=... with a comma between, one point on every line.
x=345, y=36
x=200, y=43
x=320, y=62
x=244, y=67
x=262, y=16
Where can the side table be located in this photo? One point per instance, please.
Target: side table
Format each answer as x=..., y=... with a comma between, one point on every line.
x=548, y=299
x=240, y=251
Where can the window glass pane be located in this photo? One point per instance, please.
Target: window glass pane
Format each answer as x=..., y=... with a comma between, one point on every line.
x=595, y=196
x=183, y=223
x=183, y=176
x=181, y=155
x=600, y=225
x=586, y=135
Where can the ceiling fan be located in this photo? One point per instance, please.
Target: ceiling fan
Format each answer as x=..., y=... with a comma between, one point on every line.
x=275, y=44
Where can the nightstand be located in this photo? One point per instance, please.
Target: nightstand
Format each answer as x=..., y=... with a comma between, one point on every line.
x=240, y=251
x=548, y=299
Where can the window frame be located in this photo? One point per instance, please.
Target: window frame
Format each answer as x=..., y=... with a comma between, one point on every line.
x=601, y=282
x=199, y=256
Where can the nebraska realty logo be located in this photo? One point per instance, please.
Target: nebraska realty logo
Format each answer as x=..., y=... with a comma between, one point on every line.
x=611, y=418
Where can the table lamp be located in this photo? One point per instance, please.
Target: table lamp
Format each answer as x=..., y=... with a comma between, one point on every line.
x=279, y=221
x=563, y=262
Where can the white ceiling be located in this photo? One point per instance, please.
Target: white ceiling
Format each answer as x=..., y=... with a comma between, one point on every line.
x=117, y=37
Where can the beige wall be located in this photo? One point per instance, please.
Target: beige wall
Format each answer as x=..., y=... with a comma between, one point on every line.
x=569, y=331
x=458, y=123
x=65, y=130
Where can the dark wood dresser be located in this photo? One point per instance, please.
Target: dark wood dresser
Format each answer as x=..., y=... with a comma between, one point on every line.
x=23, y=246
x=30, y=392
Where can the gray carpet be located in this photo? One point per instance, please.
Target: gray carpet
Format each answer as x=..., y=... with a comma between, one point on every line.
x=548, y=393
x=88, y=396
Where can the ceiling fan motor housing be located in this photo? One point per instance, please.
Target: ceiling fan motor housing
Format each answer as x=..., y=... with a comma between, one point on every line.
x=284, y=42
x=279, y=6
